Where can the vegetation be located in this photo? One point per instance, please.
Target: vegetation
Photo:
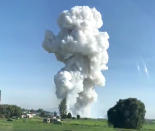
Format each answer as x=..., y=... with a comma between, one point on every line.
x=40, y=112
x=55, y=114
x=78, y=116
x=36, y=124
x=63, y=109
x=128, y=113
x=8, y=111
x=69, y=115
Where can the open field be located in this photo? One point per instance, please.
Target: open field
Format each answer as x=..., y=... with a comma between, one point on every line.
x=68, y=125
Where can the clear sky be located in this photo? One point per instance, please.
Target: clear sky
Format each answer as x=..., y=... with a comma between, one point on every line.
x=26, y=70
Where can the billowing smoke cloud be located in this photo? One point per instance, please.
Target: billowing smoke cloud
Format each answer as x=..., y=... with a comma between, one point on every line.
x=83, y=49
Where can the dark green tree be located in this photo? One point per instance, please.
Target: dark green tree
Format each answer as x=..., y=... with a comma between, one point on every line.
x=55, y=114
x=40, y=110
x=10, y=111
x=32, y=111
x=43, y=114
x=63, y=109
x=128, y=113
x=78, y=116
x=69, y=115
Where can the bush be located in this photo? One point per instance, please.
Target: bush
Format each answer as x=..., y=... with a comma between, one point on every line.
x=69, y=115
x=128, y=113
x=9, y=119
x=64, y=116
x=58, y=117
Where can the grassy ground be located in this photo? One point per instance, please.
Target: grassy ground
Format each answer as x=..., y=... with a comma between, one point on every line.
x=68, y=125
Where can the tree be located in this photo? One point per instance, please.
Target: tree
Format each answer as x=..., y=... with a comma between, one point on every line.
x=78, y=116
x=40, y=110
x=55, y=114
x=15, y=111
x=42, y=114
x=32, y=110
x=128, y=113
x=69, y=115
x=63, y=109
x=10, y=111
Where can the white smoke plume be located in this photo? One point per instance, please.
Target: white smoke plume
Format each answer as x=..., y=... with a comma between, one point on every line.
x=83, y=49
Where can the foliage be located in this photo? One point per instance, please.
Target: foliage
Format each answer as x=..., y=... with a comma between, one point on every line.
x=55, y=113
x=32, y=111
x=128, y=113
x=69, y=115
x=40, y=110
x=63, y=109
x=78, y=116
x=10, y=111
x=42, y=114
x=36, y=124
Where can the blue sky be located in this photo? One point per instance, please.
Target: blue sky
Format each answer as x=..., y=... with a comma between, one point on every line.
x=26, y=70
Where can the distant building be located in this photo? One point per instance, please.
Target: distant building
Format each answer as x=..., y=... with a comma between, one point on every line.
x=28, y=115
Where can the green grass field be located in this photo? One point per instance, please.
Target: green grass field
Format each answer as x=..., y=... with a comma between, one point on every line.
x=36, y=124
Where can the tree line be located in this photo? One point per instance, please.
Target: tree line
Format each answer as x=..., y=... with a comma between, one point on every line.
x=127, y=113
x=7, y=111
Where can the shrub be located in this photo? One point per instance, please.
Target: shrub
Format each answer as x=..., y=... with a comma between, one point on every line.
x=64, y=116
x=9, y=119
x=128, y=113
